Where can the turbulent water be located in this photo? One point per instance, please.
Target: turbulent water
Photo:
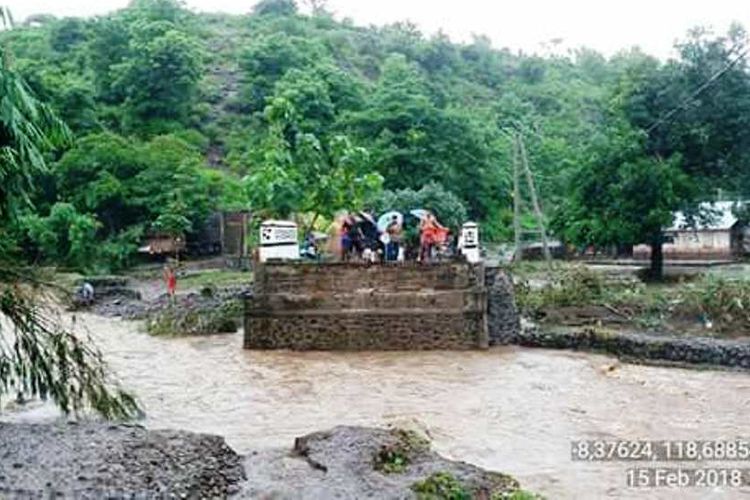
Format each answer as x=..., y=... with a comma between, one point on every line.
x=512, y=410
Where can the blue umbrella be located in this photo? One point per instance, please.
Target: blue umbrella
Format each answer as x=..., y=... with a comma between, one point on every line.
x=386, y=219
x=420, y=213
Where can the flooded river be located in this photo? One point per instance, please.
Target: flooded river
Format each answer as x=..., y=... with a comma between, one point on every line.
x=510, y=409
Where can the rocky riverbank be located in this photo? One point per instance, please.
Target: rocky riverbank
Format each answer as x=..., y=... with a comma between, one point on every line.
x=206, y=310
x=128, y=304
x=703, y=351
x=96, y=460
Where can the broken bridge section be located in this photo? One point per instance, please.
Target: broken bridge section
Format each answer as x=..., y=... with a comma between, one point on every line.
x=356, y=306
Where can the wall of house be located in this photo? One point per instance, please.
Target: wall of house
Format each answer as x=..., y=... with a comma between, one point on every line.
x=715, y=244
x=356, y=306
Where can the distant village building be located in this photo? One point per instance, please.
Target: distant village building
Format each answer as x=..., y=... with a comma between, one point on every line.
x=222, y=233
x=721, y=237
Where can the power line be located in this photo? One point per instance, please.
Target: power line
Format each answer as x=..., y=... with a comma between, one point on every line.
x=697, y=92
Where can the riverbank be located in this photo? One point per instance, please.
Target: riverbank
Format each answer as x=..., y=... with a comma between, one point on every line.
x=96, y=460
x=700, y=318
x=639, y=347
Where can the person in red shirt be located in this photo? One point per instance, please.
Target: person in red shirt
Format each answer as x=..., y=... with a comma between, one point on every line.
x=170, y=277
x=431, y=233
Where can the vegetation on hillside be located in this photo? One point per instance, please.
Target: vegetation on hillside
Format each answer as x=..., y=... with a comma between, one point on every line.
x=176, y=114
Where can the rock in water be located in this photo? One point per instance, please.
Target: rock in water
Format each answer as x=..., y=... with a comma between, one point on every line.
x=358, y=462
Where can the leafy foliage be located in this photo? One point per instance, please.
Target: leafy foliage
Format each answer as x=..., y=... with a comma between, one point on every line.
x=306, y=114
x=28, y=129
x=302, y=174
x=159, y=81
x=64, y=236
x=38, y=357
x=446, y=206
x=441, y=485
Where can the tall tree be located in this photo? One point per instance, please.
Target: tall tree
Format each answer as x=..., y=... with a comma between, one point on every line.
x=160, y=78
x=623, y=196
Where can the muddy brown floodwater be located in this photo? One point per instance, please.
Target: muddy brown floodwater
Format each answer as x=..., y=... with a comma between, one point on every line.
x=509, y=409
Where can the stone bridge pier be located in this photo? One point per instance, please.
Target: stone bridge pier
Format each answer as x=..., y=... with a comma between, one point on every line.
x=356, y=306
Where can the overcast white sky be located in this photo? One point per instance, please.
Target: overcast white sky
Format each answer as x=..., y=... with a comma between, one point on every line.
x=605, y=25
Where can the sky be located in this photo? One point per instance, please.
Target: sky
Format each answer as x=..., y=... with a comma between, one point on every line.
x=528, y=25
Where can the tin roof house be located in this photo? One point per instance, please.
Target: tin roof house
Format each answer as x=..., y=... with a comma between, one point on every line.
x=721, y=236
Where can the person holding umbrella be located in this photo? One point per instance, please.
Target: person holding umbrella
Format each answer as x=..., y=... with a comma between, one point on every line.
x=395, y=232
x=391, y=225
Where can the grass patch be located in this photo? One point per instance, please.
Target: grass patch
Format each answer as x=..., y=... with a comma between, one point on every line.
x=516, y=495
x=568, y=286
x=441, y=486
x=705, y=305
x=214, y=278
x=395, y=457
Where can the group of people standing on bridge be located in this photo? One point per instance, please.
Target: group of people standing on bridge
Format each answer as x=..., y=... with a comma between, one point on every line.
x=391, y=237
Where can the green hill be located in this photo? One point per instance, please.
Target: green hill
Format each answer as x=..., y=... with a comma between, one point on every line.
x=177, y=114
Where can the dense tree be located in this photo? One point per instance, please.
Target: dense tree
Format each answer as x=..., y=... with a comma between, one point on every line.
x=67, y=33
x=140, y=80
x=623, y=196
x=269, y=58
x=275, y=8
x=159, y=81
x=150, y=185
x=302, y=174
x=707, y=125
x=38, y=358
x=108, y=46
x=64, y=236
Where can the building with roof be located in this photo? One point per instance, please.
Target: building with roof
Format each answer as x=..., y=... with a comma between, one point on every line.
x=718, y=235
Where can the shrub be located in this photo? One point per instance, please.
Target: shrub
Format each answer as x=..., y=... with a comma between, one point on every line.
x=396, y=457
x=725, y=303
x=516, y=495
x=441, y=486
x=572, y=286
x=185, y=320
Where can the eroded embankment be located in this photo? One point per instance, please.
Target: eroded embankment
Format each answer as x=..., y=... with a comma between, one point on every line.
x=98, y=460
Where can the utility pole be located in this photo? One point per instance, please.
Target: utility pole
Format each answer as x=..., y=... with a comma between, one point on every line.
x=517, y=201
x=521, y=161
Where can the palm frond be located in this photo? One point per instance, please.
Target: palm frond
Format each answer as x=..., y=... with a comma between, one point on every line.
x=28, y=130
